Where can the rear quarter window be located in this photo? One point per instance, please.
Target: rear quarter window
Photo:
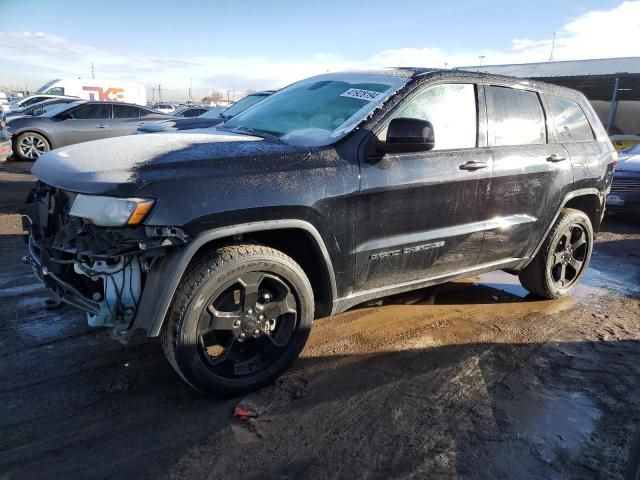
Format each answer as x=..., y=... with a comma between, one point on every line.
x=569, y=120
x=515, y=117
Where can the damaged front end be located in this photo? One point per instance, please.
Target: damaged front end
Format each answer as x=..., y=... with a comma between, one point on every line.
x=100, y=270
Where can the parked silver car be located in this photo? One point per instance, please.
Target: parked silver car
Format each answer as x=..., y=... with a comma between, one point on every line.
x=76, y=122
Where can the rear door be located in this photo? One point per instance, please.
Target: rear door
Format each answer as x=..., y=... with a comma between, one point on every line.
x=81, y=124
x=531, y=173
x=574, y=132
x=127, y=118
x=421, y=214
x=125, y=121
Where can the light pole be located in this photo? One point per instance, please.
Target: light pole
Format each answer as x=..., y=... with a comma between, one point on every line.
x=614, y=103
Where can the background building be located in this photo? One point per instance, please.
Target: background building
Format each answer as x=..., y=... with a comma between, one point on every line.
x=612, y=85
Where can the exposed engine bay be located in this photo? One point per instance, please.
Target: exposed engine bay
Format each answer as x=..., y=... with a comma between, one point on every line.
x=100, y=270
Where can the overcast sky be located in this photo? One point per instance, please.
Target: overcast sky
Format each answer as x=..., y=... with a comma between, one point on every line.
x=249, y=44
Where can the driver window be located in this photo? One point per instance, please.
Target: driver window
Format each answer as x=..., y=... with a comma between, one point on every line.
x=451, y=109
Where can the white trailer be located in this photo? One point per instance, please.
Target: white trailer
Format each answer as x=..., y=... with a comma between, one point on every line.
x=101, y=90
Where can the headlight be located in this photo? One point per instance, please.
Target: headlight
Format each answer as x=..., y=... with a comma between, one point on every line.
x=111, y=211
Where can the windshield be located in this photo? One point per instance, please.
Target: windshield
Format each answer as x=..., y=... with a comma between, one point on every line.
x=213, y=112
x=241, y=105
x=633, y=150
x=44, y=105
x=320, y=110
x=46, y=86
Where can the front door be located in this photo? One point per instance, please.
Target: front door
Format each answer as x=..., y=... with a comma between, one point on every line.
x=421, y=215
x=82, y=124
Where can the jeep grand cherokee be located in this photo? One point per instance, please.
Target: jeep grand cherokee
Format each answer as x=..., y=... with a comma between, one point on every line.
x=338, y=189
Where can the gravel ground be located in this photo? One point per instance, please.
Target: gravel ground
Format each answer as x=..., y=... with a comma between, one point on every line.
x=472, y=379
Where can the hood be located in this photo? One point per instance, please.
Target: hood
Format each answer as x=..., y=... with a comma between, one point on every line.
x=123, y=165
x=628, y=163
x=180, y=124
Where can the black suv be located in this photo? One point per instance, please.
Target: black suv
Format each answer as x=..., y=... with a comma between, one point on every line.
x=336, y=190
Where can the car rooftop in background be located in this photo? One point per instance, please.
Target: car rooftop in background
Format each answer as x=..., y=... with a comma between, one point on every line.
x=33, y=99
x=208, y=119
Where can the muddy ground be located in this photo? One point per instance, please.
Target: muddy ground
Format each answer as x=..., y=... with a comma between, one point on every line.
x=471, y=379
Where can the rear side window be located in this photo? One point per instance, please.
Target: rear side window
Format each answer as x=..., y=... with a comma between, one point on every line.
x=515, y=117
x=56, y=91
x=125, y=111
x=451, y=109
x=568, y=117
x=91, y=111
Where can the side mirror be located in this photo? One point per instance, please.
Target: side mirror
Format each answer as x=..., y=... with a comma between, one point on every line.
x=406, y=135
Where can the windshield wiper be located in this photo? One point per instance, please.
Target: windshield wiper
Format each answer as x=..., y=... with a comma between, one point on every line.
x=255, y=133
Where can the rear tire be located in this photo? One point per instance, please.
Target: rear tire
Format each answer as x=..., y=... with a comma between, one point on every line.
x=28, y=146
x=240, y=317
x=563, y=258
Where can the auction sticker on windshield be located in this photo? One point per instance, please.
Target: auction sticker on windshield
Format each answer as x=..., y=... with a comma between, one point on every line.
x=367, y=95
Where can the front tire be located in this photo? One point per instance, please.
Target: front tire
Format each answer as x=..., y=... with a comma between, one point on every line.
x=30, y=145
x=240, y=317
x=563, y=258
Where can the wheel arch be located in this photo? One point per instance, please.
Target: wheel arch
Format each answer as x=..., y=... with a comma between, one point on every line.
x=590, y=204
x=293, y=237
x=15, y=135
x=588, y=200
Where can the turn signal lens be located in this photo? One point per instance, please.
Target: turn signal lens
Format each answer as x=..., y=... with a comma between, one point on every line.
x=141, y=211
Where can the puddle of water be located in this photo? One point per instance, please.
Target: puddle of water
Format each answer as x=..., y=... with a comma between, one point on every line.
x=596, y=282
x=600, y=280
x=10, y=277
x=558, y=420
x=503, y=282
x=21, y=290
x=46, y=326
x=32, y=303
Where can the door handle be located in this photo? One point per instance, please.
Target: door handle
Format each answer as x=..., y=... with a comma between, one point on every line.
x=100, y=126
x=556, y=157
x=472, y=166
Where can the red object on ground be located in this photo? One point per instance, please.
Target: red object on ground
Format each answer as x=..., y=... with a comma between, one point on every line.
x=243, y=412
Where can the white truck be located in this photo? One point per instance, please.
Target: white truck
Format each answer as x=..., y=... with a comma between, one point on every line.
x=102, y=90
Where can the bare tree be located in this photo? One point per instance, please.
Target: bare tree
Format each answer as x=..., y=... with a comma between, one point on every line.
x=215, y=97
